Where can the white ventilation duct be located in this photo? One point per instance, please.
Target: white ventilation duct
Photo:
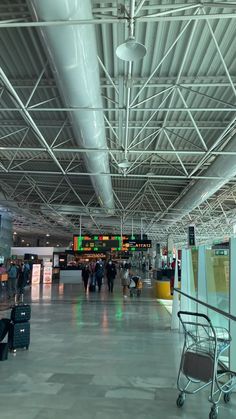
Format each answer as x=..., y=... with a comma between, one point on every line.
x=223, y=167
x=72, y=53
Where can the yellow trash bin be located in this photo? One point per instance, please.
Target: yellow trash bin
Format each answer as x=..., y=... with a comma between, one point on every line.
x=163, y=290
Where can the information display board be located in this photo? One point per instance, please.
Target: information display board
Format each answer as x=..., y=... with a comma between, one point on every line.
x=103, y=243
x=191, y=236
x=97, y=243
x=136, y=245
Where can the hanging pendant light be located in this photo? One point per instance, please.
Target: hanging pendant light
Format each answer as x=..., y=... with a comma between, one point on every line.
x=131, y=50
x=124, y=164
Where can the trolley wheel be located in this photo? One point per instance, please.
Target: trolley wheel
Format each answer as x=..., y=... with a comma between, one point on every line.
x=180, y=400
x=213, y=413
x=227, y=397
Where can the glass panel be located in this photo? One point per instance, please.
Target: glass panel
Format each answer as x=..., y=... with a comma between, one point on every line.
x=194, y=252
x=217, y=281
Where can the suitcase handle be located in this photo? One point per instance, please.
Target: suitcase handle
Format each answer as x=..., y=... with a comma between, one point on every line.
x=20, y=300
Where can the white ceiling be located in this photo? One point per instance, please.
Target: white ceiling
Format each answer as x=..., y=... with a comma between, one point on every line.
x=167, y=113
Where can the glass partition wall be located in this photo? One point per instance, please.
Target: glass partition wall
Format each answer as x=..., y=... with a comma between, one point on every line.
x=206, y=277
x=217, y=282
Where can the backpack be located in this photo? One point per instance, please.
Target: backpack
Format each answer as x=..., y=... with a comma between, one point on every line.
x=12, y=272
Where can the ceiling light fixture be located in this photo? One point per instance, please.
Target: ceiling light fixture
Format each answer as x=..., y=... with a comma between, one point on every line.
x=124, y=164
x=150, y=174
x=131, y=50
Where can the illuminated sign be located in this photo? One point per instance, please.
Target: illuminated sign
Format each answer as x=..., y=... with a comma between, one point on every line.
x=97, y=243
x=100, y=243
x=134, y=245
x=191, y=236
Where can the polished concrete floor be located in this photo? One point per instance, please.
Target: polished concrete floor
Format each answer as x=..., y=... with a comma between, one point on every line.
x=97, y=356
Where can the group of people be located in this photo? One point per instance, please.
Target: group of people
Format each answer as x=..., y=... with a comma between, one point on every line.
x=93, y=274
x=18, y=277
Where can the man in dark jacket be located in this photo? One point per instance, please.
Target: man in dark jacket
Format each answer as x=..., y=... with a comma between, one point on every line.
x=111, y=274
x=85, y=276
x=99, y=273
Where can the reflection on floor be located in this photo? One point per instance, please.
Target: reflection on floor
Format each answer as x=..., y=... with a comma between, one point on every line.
x=97, y=356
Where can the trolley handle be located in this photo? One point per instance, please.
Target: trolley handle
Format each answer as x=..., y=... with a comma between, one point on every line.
x=191, y=313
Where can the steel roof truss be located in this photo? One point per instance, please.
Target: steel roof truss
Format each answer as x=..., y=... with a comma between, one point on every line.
x=160, y=63
x=220, y=54
x=151, y=117
x=177, y=155
x=18, y=149
x=36, y=84
x=192, y=119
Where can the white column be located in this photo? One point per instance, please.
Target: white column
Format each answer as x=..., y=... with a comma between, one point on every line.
x=202, y=280
x=175, y=305
x=232, y=302
x=187, y=281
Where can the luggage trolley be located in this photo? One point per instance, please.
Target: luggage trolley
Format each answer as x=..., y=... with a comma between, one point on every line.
x=135, y=286
x=201, y=361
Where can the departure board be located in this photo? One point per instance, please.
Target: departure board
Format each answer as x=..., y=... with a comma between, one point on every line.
x=101, y=243
x=97, y=243
x=136, y=245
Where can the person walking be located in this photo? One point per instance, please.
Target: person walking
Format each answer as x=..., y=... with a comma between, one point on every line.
x=2, y=271
x=125, y=279
x=85, y=276
x=12, y=279
x=99, y=273
x=111, y=274
x=23, y=276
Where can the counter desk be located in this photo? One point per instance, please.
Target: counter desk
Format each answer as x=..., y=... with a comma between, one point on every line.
x=70, y=276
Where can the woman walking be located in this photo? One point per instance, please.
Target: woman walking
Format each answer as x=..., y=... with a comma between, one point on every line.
x=125, y=280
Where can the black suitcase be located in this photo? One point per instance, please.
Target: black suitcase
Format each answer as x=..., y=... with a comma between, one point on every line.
x=20, y=313
x=19, y=335
x=3, y=351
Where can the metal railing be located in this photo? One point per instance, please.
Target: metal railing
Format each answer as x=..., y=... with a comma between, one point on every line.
x=217, y=310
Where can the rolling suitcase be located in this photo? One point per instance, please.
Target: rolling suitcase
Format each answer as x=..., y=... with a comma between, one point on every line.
x=19, y=328
x=19, y=336
x=20, y=313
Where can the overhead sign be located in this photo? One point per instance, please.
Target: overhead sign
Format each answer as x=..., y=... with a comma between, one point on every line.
x=103, y=243
x=191, y=236
x=134, y=245
x=97, y=243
